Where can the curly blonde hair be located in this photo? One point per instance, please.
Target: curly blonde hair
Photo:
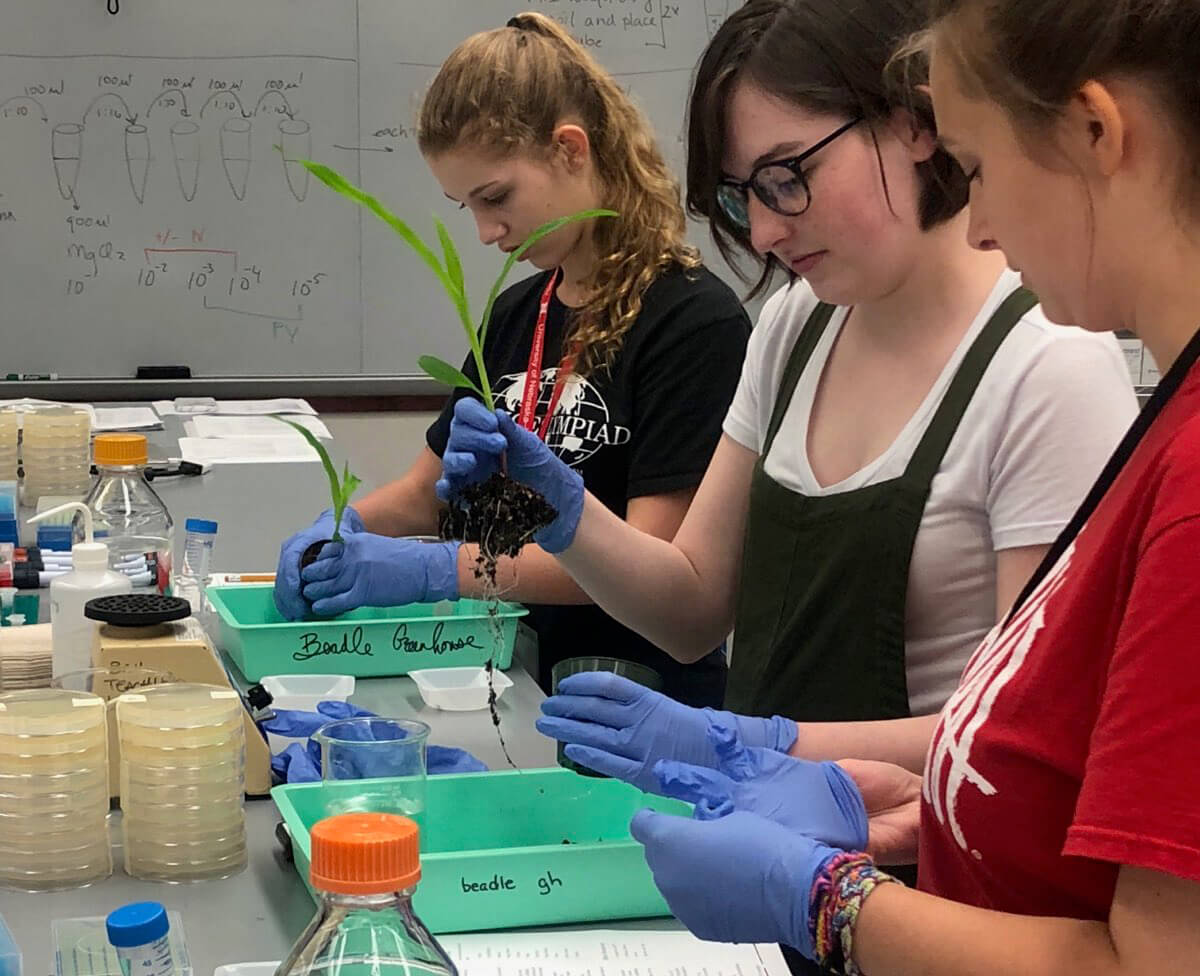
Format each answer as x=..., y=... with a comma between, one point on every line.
x=505, y=91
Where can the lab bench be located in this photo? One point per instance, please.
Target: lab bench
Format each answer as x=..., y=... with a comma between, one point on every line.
x=256, y=915
x=259, y=913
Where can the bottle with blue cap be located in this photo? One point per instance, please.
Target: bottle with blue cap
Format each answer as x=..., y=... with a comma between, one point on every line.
x=192, y=578
x=140, y=933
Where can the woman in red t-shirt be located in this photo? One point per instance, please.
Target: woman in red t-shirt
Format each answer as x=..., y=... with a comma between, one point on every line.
x=1058, y=821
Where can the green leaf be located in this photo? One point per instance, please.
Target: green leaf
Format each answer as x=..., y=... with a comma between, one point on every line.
x=450, y=254
x=317, y=446
x=443, y=372
x=349, y=483
x=335, y=181
x=339, y=493
x=545, y=229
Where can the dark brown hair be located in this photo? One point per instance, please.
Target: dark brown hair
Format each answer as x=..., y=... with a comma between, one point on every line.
x=1031, y=56
x=505, y=91
x=826, y=56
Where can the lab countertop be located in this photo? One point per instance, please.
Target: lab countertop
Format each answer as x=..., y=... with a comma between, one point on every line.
x=258, y=914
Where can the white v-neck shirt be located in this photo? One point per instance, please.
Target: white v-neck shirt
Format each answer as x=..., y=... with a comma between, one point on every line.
x=1049, y=410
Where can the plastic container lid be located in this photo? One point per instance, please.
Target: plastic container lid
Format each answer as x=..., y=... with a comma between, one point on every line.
x=50, y=711
x=200, y=525
x=136, y=609
x=179, y=706
x=138, y=924
x=120, y=449
x=365, y=854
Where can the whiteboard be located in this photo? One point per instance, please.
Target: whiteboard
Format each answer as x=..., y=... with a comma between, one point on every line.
x=151, y=211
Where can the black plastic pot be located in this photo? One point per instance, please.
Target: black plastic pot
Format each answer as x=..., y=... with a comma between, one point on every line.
x=643, y=675
x=309, y=556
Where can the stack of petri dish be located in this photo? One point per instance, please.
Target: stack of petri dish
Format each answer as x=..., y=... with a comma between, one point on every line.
x=183, y=760
x=56, y=452
x=8, y=444
x=53, y=790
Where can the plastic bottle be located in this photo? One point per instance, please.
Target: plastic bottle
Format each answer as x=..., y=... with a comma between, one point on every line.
x=192, y=577
x=71, y=633
x=366, y=866
x=128, y=514
x=139, y=933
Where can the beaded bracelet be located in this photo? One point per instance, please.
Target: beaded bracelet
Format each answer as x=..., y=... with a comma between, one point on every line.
x=837, y=896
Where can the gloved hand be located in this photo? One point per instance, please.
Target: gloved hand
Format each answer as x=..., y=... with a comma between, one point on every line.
x=302, y=763
x=368, y=570
x=620, y=728
x=478, y=439
x=295, y=724
x=740, y=878
x=288, y=599
x=295, y=765
x=816, y=799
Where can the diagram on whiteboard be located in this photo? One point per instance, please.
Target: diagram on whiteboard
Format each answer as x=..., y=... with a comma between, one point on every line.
x=221, y=123
x=163, y=190
x=153, y=204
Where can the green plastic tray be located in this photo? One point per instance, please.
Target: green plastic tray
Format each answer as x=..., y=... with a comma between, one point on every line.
x=510, y=849
x=368, y=642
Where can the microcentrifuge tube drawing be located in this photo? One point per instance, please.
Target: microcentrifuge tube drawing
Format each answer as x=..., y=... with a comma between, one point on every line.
x=715, y=12
x=185, y=144
x=296, y=142
x=66, y=146
x=235, y=154
x=137, y=158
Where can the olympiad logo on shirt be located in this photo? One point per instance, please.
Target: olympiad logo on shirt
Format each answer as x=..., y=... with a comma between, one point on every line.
x=994, y=664
x=580, y=425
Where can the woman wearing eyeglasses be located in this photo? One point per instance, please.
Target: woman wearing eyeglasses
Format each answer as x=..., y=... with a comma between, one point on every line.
x=909, y=435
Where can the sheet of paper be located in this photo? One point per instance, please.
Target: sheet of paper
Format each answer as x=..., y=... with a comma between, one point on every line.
x=245, y=450
x=594, y=952
x=126, y=418
x=607, y=952
x=212, y=425
x=247, y=407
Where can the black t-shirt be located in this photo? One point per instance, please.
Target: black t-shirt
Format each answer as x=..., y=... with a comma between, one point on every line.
x=646, y=426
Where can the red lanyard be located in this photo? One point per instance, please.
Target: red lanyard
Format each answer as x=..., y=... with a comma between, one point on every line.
x=533, y=372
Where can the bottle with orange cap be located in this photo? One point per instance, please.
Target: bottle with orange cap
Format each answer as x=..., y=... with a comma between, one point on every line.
x=127, y=513
x=366, y=867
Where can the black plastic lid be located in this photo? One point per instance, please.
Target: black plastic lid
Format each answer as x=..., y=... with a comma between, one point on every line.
x=137, y=609
x=258, y=697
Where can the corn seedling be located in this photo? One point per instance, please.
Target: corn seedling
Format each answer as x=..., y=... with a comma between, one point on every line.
x=449, y=272
x=340, y=489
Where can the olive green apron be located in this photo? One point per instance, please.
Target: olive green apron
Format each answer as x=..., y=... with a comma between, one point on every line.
x=819, y=631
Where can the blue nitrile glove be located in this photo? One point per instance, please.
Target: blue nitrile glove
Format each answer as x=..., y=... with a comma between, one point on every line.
x=288, y=599
x=368, y=570
x=620, y=728
x=478, y=439
x=817, y=799
x=740, y=878
x=295, y=765
x=296, y=724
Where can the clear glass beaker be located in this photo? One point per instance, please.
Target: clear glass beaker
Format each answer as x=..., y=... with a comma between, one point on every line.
x=387, y=756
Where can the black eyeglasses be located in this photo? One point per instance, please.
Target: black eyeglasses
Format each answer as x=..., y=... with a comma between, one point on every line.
x=779, y=184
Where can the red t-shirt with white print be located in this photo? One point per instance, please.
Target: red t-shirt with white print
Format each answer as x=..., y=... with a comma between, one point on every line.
x=1072, y=745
